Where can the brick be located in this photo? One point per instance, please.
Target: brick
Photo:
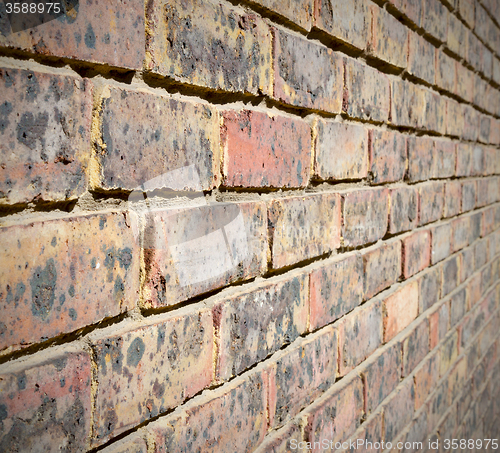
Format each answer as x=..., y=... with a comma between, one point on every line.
x=366, y=93
x=415, y=347
x=439, y=322
x=400, y=309
x=301, y=13
x=58, y=285
x=464, y=159
x=335, y=289
x=482, y=193
x=403, y=209
x=208, y=44
x=415, y=436
x=449, y=423
x=408, y=103
x=323, y=421
x=416, y=252
x=445, y=159
x=496, y=70
x=341, y=151
x=421, y=57
x=304, y=227
x=387, y=156
x=258, y=322
x=133, y=360
x=368, y=434
x=487, y=65
x=484, y=26
x=434, y=19
x=454, y=118
x=428, y=288
x=485, y=128
x=365, y=216
x=468, y=195
x=381, y=374
x=232, y=418
x=466, y=10
x=43, y=154
x=441, y=242
x=488, y=221
x=46, y=401
x=301, y=374
x=398, y=411
x=448, y=352
x=172, y=235
x=474, y=51
x=280, y=148
x=360, y=333
x=307, y=74
x=460, y=233
x=434, y=111
x=346, y=21
x=457, y=36
x=410, y=8
x=452, y=198
x=474, y=286
x=465, y=82
x=426, y=377
x=381, y=267
x=108, y=38
x=477, y=160
x=430, y=202
x=450, y=274
x=130, y=444
x=388, y=38
x=481, y=253
x=281, y=440
x=421, y=158
x=471, y=122
x=445, y=72
x=480, y=92
x=458, y=307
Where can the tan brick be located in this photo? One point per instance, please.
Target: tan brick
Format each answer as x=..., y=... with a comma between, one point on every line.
x=421, y=57
x=415, y=346
x=130, y=444
x=466, y=10
x=416, y=252
x=408, y=103
x=465, y=83
x=403, y=209
x=452, y=198
x=441, y=242
x=434, y=19
x=410, y=8
x=457, y=38
x=445, y=72
x=460, y=233
x=428, y=288
x=387, y=156
x=445, y=159
x=426, y=377
x=421, y=158
x=398, y=410
x=454, y=118
x=471, y=123
x=468, y=195
x=448, y=352
x=300, y=13
x=430, y=202
x=400, y=309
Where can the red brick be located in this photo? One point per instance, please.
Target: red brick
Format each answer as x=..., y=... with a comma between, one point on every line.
x=133, y=360
x=439, y=321
x=46, y=401
x=408, y=103
x=232, y=418
x=428, y=288
x=457, y=37
x=403, y=209
x=454, y=119
x=381, y=267
x=360, y=333
x=452, y=198
x=307, y=74
x=400, y=309
x=300, y=374
x=398, y=411
x=434, y=111
x=415, y=346
x=416, y=252
x=488, y=221
x=108, y=38
x=426, y=377
x=445, y=72
x=301, y=13
x=448, y=352
x=481, y=253
x=365, y=439
x=387, y=156
x=365, y=216
x=257, y=322
x=468, y=195
x=421, y=56
x=410, y=8
x=445, y=160
x=484, y=26
x=466, y=10
x=161, y=129
x=366, y=93
x=450, y=274
x=341, y=151
x=465, y=81
x=43, y=152
x=477, y=160
x=303, y=227
x=335, y=289
x=441, y=242
x=261, y=150
x=474, y=290
x=416, y=435
x=464, y=159
x=388, y=39
x=198, y=42
x=471, y=123
x=480, y=92
x=281, y=440
x=434, y=19
x=460, y=233
x=134, y=443
x=458, y=307
x=345, y=21
x=70, y=273
x=421, y=158
x=430, y=202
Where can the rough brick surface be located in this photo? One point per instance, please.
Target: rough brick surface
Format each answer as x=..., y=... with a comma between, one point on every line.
x=416, y=252
x=421, y=56
x=430, y=202
x=387, y=156
x=404, y=209
x=400, y=309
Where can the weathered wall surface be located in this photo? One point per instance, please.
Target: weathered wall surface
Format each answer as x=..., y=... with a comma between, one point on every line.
x=318, y=257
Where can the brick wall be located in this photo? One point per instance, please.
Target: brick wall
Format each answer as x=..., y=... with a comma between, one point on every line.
x=242, y=226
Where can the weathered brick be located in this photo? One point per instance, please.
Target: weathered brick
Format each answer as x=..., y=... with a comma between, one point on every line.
x=335, y=289
x=398, y=411
x=485, y=129
x=496, y=70
x=281, y=440
x=307, y=74
x=130, y=444
x=365, y=216
x=452, y=198
x=465, y=82
x=445, y=72
x=428, y=288
x=448, y=352
x=387, y=156
x=445, y=159
x=474, y=289
x=468, y=195
x=46, y=401
x=466, y=10
x=232, y=418
x=436, y=406
x=477, y=160
x=410, y=8
x=365, y=439
x=426, y=377
x=434, y=19
x=421, y=158
x=408, y=103
x=439, y=321
x=341, y=151
x=434, y=111
x=441, y=242
x=415, y=347
x=400, y=309
x=360, y=333
x=484, y=26
x=403, y=209
x=366, y=93
x=457, y=36
x=464, y=159
x=416, y=252
x=304, y=227
x=181, y=246
x=345, y=21
x=108, y=37
x=481, y=253
x=458, y=307
x=454, y=118
x=45, y=132
x=58, y=284
x=421, y=57
x=388, y=38
x=450, y=274
x=488, y=220
x=280, y=150
x=258, y=322
x=471, y=123
x=460, y=233
x=301, y=13
x=381, y=267
x=430, y=202
x=209, y=44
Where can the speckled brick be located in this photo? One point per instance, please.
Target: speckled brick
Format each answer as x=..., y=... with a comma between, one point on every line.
x=110, y=33
x=258, y=322
x=159, y=124
x=209, y=44
x=485, y=127
x=45, y=402
x=410, y=8
x=468, y=195
x=415, y=346
x=434, y=19
x=341, y=151
x=366, y=93
x=460, y=233
x=450, y=273
x=232, y=418
x=441, y=245
x=381, y=266
x=403, y=209
x=416, y=252
x=335, y=289
x=306, y=74
x=448, y=352
x=45, y=135
x=421, y=158
x=464, y=159
x=408, y=103
x=387, y=156
x=299, y=12
x=134, y=443
x=434, y=111
x=303, y=227
x=62, y=275
x=428, y=288
x=170, y=277
x=398, y=411
x=458, y=307
x=400, y=309
x=457, y=36
x=465, y=82
x=452, y=198
x=426, y=377
x=445, y=159
x=471, y=123
x=439, y=321
x=360, y=333
x=421, y=56
x=445, y=72
x=281, y=440
x=366, y=438
x=467, y=268
x=430, y=202
x=365, y=216
x=454, y=118
x=146, y=368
